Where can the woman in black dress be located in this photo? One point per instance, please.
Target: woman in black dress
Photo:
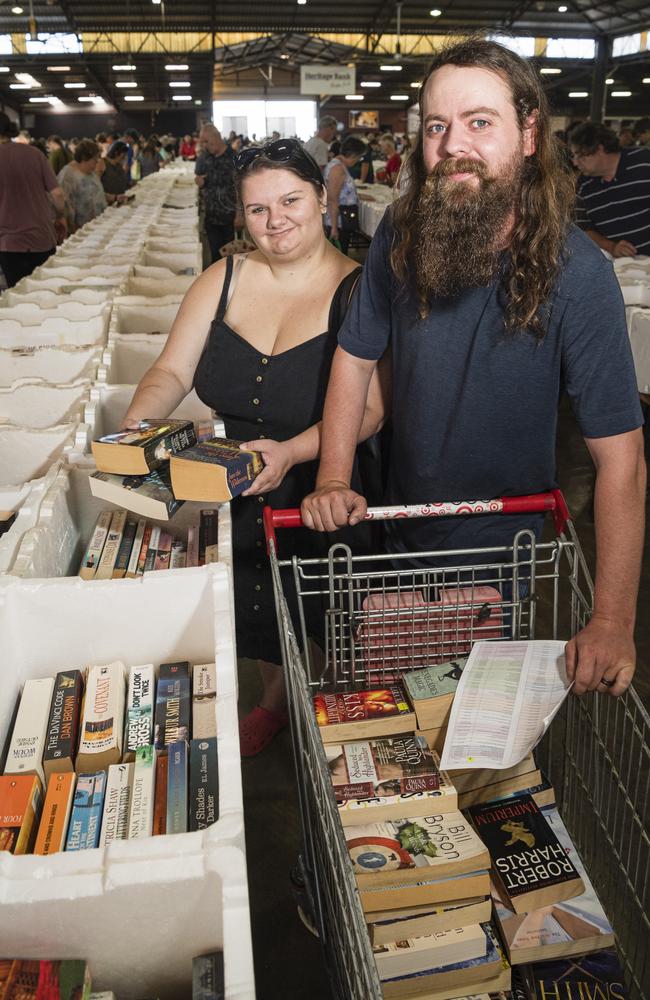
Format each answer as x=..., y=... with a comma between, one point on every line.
x=255, y=336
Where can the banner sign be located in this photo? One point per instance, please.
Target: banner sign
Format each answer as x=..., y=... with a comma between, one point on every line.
x=321, y=79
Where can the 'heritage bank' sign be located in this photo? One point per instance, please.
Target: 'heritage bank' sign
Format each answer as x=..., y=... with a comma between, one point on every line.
x=317, y=79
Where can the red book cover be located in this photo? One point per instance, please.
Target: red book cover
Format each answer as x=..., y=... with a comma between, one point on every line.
x=391, y=765
x=360, y=706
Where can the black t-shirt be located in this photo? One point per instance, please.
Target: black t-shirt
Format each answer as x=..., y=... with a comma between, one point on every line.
x=619, y=209
x=219, y=191
x=114, y=178
x=474, y=408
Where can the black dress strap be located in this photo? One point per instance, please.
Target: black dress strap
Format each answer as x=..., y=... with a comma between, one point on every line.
x=341, y=301
x=223, y=301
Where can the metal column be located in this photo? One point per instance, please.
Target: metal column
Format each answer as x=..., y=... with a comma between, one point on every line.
x=598, y=88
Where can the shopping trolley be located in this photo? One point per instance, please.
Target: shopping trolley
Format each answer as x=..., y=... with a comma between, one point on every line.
x=381, y=614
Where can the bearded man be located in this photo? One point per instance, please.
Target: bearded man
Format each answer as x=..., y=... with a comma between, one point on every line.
x=490, y=304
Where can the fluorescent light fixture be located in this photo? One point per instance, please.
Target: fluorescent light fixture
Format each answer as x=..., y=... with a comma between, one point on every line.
x=416, y=83
x=550, y=70
x=87, y=98
x=391, y=68
x=621, y=93
x=181, y=97
x=58, y=69
x=40, y=100
x=301, y=3
x=55, y=102
x=16, y=10
x=180, y=83
x=436, y=12
x=157, y=2
x=370, y=83
x=124, y=68
x=19, y=86
x=399, y=97
x=74, y=86
x=646, y=79
x=134, y=97
x=578, y=93
x=174, y=66
x=28, y=79
x=4, y=69
x=198, y=102
x=124, y=84
x=354, y=97
x=609, y=80
x=562, y=9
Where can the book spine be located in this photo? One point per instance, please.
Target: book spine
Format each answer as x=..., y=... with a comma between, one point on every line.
x=177, y=787
x=30, y=729
x=144, y=549
x=163, y=552
x=204, y=701
x=53, y=827
x=160, y=800
x=204, y=783
x=193, y=545
x=134, y=558
x=117, y=800
x=111, y=548
x=63, y=724
x=138, y=730
x=161, y=450
x=419, y=783
x=87, y=807
x=211, y=554
x=154, y=540
x=103, y=718
x=208, y=982
x=20, y=804
x=124, y=551
x=142, y=795
x=178, y=558
x=208, y=528
x=173, y=705
x=93, y=553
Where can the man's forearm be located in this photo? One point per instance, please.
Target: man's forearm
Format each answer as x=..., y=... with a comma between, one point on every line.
x=602, y=241
x=342, y=416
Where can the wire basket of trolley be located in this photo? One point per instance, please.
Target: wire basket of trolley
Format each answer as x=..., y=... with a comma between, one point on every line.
x=356, y=622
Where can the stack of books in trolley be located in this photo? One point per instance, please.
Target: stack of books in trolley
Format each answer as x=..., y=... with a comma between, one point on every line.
x=109, y=754
x=468, y=880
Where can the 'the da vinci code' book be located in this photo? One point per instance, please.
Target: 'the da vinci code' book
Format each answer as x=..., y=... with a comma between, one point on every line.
x=63, y=724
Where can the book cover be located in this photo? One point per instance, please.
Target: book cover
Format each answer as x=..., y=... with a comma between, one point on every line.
x=409, y=850
x=62, y=737
x=117, y=802
x=432, y=691
x=208, y=532
x=144, y=549
x=138, y=728
x=103, y=718
x=93, y=553
x=55, y=818
x=363, y=714
x=173, y=705
x=573, y=927
x=495, y=793
x=137, y=452
x=87, y=808
x=444, y=799
x=142, y=793
x=597, y=975
x=152, y=549
x=146, y=496
x=193, y=545
x=178, y=557
x=530, y=864
x=134, y=558
x=124, y=551
x=112, y=545
x=208, y=977
x=214, y=471
x=204, y=783
x=398, y=925
x=389, y=765
x=204, y=701
x=20, y=807
x=163, y=552
x=432, y=951
x=29, y=734
x=177, y=787
x=160, y=796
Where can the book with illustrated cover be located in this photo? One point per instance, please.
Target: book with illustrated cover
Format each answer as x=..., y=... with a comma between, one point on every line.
x=137, y=452
x=93, y=553
x=360, y=715
x=138, y=726
x=62, y=737
x=152, y=549
x=208, y=533
x=432, y=690
x=177, y=787
x=142, y=793
x=214, y=471
x=597, y=975
x=204, y=784
x=146, y=496
x=87, y=808
x=530, y=864
x=112, y=545
x=55, y=818
x=431, y=951
x=144, y=549
x=178, y=555
x=124, y=551
x=204, y=701
x=163, y=551
x=173, y=704
x=389, y=765
x=20, y=807
x=117, y=801
x=29, y=734
x=102, y=725
x=416, y=921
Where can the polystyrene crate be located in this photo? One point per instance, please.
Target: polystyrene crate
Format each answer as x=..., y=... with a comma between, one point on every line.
x=52, y=364
x=27, y=454
x=636, y=293
x=152, y=288
x=128, y=356
x=33, y=403
x=137, y=314
x=639, y=330
x=52, y=330
x=76, y=274
x=138, y=910
x=46, y=298
x=164, y=244
x=61, y=283
x=177, y=262
x=26, y=500
x=107, y=404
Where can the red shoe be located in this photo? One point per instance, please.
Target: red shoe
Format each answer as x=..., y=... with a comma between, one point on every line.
x=258, y=728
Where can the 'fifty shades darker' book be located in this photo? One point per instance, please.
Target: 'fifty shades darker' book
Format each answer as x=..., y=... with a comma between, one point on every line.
x=204, y=784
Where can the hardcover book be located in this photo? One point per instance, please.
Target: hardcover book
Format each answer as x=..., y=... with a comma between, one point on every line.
x=173, y=705
x=359, y=715
x=204, y=701
x=124, y=551
x=63, y=724
x=112, y=545
x=531, y=866
x=117, y=802
x=208, y=977
x=389, y=765
x=146, y=496
x=397, y=925
x=214, y=471
x=20, y=807
x=432, y=691
x=138, y=729
x=28, y=736
x=103, y=718
x=93, y=553
x=432, y=951
x=204, y=784
x=177, y=787
x=597, y=975
x=55, y=818
x=142, y=793
x=137, y=452
x=87, y=808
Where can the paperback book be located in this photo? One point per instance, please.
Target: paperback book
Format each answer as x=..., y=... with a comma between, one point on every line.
x=137, y=452
x=29, y=734
x=416, y=921
x=112, y=545
x=87, y=808
x=103, y=718
x=177, y=787
x=138, y=730
x=63, y=724
x=432, y=690
x=360, y=715
x=55, y=818
x=20, y=808
x=117, y=801
x=389, y=765
x=173, y=704
x=146, y=496
x=597, y=975
x=214, y=471
x=143, y=792
x=93, y=553
x=432, y=951
x=204, y=784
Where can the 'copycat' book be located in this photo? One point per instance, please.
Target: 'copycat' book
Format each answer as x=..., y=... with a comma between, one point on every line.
x=214, y=471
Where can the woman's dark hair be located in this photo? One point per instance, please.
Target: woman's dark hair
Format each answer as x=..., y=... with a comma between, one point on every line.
x=588, y=137
x=281, y=154
x=543, y=207
x=117, y=148
x=149, y=149
x=352, y=146
x=101, y=137
x=55, y=138
x=86, y=150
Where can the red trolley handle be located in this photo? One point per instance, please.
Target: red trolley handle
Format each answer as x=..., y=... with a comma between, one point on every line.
x=534, y=503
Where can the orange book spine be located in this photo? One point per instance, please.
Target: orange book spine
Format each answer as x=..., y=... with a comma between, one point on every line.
x=160, y=799
x=20, y=802
x=53, y=827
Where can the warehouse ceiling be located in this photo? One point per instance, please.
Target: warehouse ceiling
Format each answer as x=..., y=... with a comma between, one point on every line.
x=260, y=44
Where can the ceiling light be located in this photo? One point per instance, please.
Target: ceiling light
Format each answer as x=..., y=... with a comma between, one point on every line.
x=28, y=79
x=125, y=68
x=354, y=97
x=436, y=12
x=198, y=102
x=390, y=68
x=173, y=66
x=133, y=97
x=19, y=86
x=301, y=3
x=85, y=97
x=55, y=101
x=74, y=86
x=550, y=70
x=621, y=93
x=399, y=97
x=562, y=9
x=181, y=97
x=16, y=10
x=578, y=93
x=58, y=69
x=179, y=83
x=284, y=55
x=40, y=100
x=4, y=69
x=416, y=83
x=126, y=83
x=370, y=83
x=646, y=79
x=609, y=80
x=157, y=2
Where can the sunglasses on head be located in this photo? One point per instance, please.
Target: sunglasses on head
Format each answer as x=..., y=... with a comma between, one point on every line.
x=289, y=151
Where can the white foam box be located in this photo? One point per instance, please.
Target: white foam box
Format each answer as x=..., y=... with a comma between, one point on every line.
x=636, y=293
x=51, y=364
x=53, y=331
x=37, y=404
x=109, y=275
x=138, y=911
x=170, y=232
x=177, y=262
x=93, y=283
x=128, y=356
x=46, y=298
x=171, y=244
x=107, y=404
x=27, y=454
x=153, y=288
x=638, y=321
x=26, y=499
x=137, y=314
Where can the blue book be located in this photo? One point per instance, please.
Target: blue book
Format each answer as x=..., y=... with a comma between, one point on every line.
x=177, y=787
x=87, y=808
x=596, y=975
x=173, y=704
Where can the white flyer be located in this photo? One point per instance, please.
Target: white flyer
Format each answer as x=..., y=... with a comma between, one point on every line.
x=506, y=699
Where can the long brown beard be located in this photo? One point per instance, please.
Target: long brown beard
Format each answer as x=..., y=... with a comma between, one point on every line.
x=459, y=228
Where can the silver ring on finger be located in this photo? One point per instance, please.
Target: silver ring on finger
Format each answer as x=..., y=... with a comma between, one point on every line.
x=606, y=683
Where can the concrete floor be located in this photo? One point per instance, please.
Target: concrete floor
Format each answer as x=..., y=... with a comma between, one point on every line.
x=288, y=962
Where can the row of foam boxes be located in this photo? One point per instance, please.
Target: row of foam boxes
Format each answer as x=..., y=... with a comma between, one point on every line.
x=633, y=274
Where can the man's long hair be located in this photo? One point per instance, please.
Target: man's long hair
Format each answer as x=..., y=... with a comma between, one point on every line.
x=544, y=206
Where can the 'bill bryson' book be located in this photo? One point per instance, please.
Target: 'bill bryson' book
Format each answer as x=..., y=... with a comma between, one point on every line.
x=137, y=452
x=361, y=715
x=389, y=765
x=214, y=471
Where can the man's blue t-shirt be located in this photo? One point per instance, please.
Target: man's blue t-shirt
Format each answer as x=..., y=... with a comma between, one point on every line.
x=475, y=408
